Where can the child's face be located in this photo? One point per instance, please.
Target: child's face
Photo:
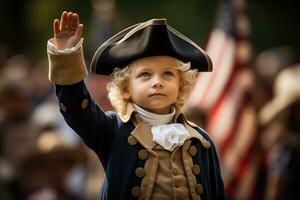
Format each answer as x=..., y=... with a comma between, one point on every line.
x=153, y=83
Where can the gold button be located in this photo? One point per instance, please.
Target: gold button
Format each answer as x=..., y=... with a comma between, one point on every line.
x=143, y=154
x=199, y=188
x=174, y=172
x=175, y=158
x=140, y=172
x=84, y=104
x=196, y=169
x=193, y=150
x=62, y=107
x=136, y=191
x=131, y=140
x=206, y=144
x=176, y=184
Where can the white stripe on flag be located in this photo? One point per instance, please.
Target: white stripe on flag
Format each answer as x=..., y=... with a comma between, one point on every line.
x=217, y=39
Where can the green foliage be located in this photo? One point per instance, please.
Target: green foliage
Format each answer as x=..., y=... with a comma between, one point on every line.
x=194, y=18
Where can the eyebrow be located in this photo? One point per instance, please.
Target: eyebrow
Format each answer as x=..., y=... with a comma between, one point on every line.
x=142, y=68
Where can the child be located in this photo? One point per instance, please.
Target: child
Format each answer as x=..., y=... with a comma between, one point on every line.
x=147, y=147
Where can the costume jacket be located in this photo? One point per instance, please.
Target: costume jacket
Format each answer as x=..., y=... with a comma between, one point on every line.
x=122, y=146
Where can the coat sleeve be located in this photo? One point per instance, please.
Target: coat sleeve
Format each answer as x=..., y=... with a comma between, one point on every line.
x=82, y=114
x=215, y=178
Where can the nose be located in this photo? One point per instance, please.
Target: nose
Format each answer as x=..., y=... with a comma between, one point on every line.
x=157, y=82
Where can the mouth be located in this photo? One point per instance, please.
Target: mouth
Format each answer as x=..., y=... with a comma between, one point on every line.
x=157, y=94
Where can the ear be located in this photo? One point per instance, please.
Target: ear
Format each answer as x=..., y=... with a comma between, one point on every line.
x=180, y=88
x=126, y=93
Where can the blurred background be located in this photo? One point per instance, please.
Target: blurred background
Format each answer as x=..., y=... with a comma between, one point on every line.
x=26, y=24
x=41, y=158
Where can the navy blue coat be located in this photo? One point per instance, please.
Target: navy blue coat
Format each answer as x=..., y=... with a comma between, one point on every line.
x=106, y=134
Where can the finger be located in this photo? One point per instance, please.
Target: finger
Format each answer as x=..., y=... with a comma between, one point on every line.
x=63, y=21
x=70, y=21
x=75, y=21
x=56, y=26
x=73, y=24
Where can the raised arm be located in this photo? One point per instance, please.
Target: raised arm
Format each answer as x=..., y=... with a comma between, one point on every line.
x=67, y=71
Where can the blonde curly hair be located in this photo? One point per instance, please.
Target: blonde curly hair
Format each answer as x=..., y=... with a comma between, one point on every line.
x=120, y=80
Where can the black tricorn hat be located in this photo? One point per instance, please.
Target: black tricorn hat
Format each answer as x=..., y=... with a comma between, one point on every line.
x=150, y=38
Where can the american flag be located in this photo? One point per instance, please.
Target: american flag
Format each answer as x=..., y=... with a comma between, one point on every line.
x=225, y=96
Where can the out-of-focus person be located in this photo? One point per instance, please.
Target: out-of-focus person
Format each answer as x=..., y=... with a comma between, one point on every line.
x=280, y=119
x=17, y=132
x=267, y=65
x=55, y=169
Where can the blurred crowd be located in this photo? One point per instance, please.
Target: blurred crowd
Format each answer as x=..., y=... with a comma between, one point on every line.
x=40, y=156
x=278, y=103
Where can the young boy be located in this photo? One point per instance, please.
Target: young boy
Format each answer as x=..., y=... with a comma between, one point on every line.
x=147, y=147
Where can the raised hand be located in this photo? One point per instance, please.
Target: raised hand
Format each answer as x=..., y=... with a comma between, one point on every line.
x=67, y=30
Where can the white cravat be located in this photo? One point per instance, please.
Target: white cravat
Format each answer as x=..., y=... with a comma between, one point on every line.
x=167, y=135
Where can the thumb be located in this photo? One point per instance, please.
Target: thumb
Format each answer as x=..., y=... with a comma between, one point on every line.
x=78, y=32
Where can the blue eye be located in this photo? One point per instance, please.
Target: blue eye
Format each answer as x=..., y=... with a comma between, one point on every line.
x=145, y=75
x=168, y=73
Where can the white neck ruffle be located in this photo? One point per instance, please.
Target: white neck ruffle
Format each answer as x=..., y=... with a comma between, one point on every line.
x=169, y=136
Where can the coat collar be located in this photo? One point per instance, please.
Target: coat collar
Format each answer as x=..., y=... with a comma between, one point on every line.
x=142, y=131
x=179, y=117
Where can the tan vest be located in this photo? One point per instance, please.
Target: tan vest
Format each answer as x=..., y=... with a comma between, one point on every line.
x=171, y=181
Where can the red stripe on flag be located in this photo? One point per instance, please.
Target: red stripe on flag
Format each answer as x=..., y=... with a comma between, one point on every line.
x=251, y=157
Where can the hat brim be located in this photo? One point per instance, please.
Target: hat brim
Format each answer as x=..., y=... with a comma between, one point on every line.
x=272, y=109
x=151, y=38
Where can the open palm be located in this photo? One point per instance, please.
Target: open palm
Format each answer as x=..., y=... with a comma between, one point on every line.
x=67, y=30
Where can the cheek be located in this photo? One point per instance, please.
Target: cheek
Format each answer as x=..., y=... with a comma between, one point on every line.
x=135, y=88
x=176, y=89
x=177, y=86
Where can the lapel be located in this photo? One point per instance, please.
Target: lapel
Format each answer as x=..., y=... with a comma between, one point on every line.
x=142, y=131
